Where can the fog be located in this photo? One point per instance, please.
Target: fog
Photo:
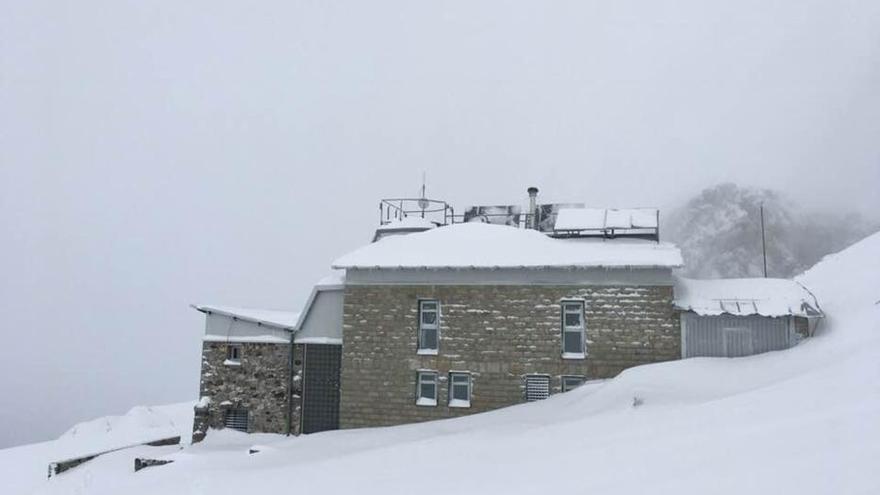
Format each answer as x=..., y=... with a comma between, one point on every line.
x=157, y=154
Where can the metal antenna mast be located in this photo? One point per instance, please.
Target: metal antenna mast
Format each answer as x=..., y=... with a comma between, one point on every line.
x=763, y=240
x=423, y=201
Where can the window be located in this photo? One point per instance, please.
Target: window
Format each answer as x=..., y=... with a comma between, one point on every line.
x=571, y=382
x=459, y=390
x=233, y=354
x=237, y=419
x=426, y=392
x=429, y=326
x=573, y=329
x=537, y=387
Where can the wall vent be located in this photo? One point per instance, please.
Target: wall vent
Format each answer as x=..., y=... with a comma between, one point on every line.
x=537, y=387
x=237, y=419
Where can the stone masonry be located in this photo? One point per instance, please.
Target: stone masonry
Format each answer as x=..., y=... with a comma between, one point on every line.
x=259, y=384
x=497, y=333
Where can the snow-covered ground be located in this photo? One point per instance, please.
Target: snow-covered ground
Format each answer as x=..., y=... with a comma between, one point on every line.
x=805, y=420
x=25, y=468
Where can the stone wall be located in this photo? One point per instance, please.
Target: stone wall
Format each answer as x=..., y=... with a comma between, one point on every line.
x=499, y=334
x=259, y=384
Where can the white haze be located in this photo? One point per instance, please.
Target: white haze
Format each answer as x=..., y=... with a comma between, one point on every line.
x=156, y=154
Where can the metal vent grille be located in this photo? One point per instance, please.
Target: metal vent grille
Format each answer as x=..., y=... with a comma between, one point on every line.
x=237, y=419
x=537, y=387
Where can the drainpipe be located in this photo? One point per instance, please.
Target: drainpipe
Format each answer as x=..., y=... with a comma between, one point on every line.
x=290, y=384
x=533, y=208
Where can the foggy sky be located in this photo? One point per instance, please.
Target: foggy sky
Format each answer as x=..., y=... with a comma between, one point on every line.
x=157, y=154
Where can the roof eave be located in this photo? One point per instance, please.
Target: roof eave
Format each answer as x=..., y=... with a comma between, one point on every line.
x=209, y=310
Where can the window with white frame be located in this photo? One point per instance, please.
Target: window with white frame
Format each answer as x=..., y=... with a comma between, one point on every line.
x=459, y=389
x=537, y=387
x=571, y=382
x=233, y=354
x=429, y=326
x=426, y=388
x=573, y=329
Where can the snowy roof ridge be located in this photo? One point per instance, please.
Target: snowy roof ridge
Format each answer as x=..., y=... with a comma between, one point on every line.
x=285, y=320
x=745, y=296
x=487, y=246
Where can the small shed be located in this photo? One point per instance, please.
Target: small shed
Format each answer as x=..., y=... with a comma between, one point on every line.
x=741, y=317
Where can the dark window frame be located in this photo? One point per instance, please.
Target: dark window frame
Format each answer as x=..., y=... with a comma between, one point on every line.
x=565, y=388
x=233, y=353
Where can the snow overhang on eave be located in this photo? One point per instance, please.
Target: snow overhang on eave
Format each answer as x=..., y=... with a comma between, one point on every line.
x=504, y=267
x=208, y=310
x=702, y=311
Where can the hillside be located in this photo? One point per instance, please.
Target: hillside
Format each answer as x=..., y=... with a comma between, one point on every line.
x=805, y=420
x=719, y=233
x=24, y=468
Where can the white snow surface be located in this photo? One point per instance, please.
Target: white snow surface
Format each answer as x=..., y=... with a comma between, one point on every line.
x=805, y=420
x=275, y=318
x=745, y=296
x=252, y=339
x=481, y=245
x=25, y=468
x=333, y=279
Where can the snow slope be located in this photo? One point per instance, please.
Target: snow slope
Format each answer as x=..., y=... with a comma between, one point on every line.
x=26, y=467
x=805, y=420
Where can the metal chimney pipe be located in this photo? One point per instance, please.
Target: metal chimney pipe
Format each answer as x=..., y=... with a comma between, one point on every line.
x=533, y=208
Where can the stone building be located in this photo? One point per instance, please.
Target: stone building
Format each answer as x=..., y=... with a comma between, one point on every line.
x=258, y=366
x=444, y=315
x=473, y=317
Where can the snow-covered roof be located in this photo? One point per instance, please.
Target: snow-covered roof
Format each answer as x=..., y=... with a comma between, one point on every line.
x=286, y=320
x=600, y=218
x=334, y=279
x=412, y=222
x=745, y=296
x=407, y=225
x=479, y=245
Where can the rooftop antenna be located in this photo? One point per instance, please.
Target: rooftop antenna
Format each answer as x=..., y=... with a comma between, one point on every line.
x=763, y=240
x=423, y=201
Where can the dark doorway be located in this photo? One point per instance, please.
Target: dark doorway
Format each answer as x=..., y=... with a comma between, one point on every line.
x=321, y=388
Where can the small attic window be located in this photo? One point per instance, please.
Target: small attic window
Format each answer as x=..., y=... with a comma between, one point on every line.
x=233, y=354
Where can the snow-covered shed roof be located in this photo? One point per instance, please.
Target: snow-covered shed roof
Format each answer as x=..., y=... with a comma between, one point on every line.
x=480, y=245
x=745, y=296
x=285, y=320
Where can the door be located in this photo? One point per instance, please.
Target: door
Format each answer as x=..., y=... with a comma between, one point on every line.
x=738, y=342
x=321, y=387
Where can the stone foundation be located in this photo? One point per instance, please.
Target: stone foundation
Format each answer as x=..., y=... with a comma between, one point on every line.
x=259, y=384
